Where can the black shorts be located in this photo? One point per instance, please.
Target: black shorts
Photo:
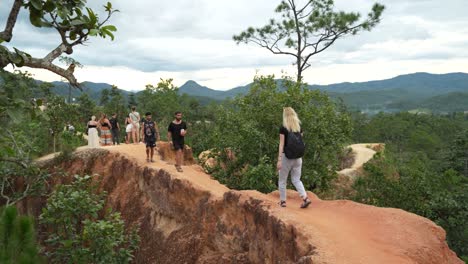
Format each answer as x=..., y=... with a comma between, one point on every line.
x=179, y=144
x=151, y=143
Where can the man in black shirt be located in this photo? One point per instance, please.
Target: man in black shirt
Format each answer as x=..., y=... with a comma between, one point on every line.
x=175, y=134
x=115, y=129
x=150, y=132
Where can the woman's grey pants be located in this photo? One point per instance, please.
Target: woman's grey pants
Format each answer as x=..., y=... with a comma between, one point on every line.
x=295, y=166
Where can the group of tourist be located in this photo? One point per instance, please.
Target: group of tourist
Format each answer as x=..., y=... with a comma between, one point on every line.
x=290, y=151
x=109, y=130
x=139, y=130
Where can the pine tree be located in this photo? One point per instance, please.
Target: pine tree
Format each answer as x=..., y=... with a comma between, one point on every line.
x=17, y=240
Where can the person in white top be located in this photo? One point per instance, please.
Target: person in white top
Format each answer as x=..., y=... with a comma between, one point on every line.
x=135, y=118
x=93, y=137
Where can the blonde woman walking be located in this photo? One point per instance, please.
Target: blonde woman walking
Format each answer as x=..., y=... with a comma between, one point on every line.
x=290, y=151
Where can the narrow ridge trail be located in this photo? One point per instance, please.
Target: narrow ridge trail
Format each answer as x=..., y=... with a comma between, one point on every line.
x=341, y=231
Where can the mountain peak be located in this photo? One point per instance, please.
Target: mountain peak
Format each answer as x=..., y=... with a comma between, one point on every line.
x=191, y=82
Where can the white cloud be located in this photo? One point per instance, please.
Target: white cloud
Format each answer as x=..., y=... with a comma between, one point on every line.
x=191, y=39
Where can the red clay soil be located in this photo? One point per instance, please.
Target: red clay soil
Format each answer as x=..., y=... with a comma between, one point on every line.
x=190, y=218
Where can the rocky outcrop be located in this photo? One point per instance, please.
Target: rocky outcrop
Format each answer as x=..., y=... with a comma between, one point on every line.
x=190, y=218
x=168, y=154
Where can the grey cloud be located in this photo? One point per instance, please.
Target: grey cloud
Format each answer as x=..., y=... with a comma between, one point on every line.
x=184, y=35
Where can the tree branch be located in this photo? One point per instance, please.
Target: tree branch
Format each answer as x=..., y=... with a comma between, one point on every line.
x=302, y=9
x=262, y=43
x=7, y=34
x=12, y=137
x=44, y=64
x=306, y=15
x=16, y=161
x=57, y=52
x=3, y=195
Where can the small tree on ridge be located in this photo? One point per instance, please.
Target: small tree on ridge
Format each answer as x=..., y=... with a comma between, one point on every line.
x=308, y=29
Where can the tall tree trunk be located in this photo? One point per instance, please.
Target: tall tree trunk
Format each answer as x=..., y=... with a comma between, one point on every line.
x=299, y=70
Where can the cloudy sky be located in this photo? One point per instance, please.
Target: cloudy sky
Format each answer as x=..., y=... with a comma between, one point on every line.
x=192, y=40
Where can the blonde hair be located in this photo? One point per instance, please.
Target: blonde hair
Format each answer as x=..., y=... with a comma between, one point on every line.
x=93, y=118
x=290, y=120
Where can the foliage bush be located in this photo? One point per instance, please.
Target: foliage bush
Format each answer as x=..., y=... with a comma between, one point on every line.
x=259, y=177
x=249, y=127
x=81, y=231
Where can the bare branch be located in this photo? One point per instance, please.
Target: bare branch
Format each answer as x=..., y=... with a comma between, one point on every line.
x=44, y=64
x=13, y=160
x=306, y=15
x=271, y=47
x=12, y=137
x=7, y=34
x=57, y=52
x=302, y=9
x=109, y=14
x=318, y=51
x=2, y=193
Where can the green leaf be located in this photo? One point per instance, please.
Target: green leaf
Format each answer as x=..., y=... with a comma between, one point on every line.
x=35, y=18
x=46, y=24
x=37, y=4
x=73, y=35
x=15, y=115
x=93, y=32
x=49, y=6
x=77, y=22
x=110, y=28
x=92, y=16
x=67, y=243
x=9, y=151
x=105, y=32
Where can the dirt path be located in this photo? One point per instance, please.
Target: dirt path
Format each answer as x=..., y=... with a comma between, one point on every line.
x=355, y=233
x=362, y=155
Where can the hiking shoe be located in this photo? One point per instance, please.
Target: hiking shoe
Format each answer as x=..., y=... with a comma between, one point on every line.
x=306, y=202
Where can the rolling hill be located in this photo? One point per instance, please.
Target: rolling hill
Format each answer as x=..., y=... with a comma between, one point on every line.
x=437, y=92
x=399, y=93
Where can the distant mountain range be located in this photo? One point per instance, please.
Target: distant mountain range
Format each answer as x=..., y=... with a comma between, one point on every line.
x=437, y=92
x=403, y=92
x=94, y=90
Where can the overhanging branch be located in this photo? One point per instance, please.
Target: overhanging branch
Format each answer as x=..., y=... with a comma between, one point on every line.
x=7, y=34
x=44, y=64
x=62, y=48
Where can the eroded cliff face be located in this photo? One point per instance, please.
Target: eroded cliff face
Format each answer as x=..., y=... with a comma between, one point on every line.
x=183, y=224
x=189, y=218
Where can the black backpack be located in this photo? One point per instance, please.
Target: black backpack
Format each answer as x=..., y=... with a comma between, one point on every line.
x=150, y=129
x=295, y=146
